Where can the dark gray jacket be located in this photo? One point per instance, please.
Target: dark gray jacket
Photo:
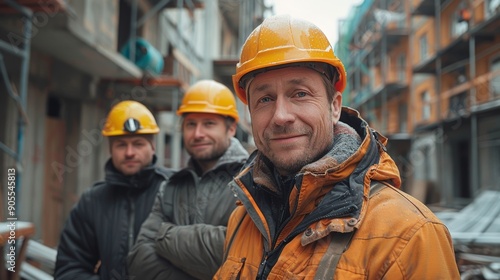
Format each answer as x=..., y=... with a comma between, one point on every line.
x=183, y=237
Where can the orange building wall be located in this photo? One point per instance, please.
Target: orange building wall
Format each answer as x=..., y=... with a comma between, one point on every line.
x=394, y=70
x=478, y=11
x=392, y=116
x=428, y=29
x=483, y=69
x=393, y=120
x=447, y=16
x=416, y=105
x=377, y=76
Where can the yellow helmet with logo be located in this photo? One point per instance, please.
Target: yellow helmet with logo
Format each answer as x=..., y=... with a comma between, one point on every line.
x=282, y=40
x=208, y=96
x=130, y=117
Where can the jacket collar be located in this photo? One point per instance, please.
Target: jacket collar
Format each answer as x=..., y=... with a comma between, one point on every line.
x=338, y=179
x=234, y=153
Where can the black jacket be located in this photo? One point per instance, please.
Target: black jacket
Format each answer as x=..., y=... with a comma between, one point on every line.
x=105, y=222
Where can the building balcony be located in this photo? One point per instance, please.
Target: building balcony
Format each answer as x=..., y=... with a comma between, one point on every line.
x=425, y=7
x=479, y=94
x=79, y=37
x=166, y=4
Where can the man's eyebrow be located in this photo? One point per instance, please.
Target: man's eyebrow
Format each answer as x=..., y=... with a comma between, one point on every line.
x=295, y=81
x=263, y=87
x=203, y=119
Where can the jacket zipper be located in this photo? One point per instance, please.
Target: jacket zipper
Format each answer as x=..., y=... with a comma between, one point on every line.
x=262, y=272
x=131, y=222
x=262, y=267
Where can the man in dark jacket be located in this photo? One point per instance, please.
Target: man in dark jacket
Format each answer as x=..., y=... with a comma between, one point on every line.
x=183, y=238
x=104, y=224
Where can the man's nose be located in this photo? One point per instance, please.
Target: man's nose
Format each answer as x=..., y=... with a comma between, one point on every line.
x=130, y=151
x=199, y=131
x=283, y=111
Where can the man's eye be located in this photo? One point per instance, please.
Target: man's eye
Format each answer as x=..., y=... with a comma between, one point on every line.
x=301, y=94
x=264, y=100
x=139, y=144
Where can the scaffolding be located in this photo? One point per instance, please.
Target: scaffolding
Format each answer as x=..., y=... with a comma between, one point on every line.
x=23, y=52
x=347, y=29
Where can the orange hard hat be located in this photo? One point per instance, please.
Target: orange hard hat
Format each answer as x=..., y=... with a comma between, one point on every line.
x=282, y=40
x=208, y=96
x=129, y=117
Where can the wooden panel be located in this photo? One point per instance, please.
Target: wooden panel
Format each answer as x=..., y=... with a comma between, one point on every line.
x=22, y=232
x=53, y=184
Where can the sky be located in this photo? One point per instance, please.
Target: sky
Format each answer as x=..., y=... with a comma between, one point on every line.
x=323, y=13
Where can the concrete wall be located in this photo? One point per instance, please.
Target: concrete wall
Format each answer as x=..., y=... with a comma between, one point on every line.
x=100, y=19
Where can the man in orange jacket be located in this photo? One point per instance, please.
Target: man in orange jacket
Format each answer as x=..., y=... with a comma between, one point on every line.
x=320, y=197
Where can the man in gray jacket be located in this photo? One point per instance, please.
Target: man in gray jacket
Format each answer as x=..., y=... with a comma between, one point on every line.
x=183, y=237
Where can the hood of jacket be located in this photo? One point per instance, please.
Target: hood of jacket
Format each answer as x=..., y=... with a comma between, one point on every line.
x=140, y=180
x=332, y=190
x=234, y=153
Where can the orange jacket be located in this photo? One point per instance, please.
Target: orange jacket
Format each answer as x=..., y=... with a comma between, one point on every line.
x=396, y=236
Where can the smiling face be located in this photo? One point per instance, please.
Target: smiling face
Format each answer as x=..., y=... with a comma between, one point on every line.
x=130, y=154
x=206, y=137
x=292, y=119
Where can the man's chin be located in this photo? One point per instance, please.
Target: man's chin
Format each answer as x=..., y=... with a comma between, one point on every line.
x=129, y=171
x=203, y=156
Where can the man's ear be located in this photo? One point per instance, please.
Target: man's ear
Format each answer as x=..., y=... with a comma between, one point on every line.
x=110, y=144
x=336, y=106
x=232, y=129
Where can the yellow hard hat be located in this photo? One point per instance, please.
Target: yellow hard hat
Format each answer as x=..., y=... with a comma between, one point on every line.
x=208, y=96
x=281, y=40
x=130, y=117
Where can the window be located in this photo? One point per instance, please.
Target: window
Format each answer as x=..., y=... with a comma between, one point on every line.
x=495, y=80
x=461, y=77
x=493, y=8
x=426, y=106
x=422, y=42
x=402, y=68
x=459, y=24
x=457, y=105
x=403, y=113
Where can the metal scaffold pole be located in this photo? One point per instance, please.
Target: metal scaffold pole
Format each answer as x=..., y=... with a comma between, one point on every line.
x=20, y=98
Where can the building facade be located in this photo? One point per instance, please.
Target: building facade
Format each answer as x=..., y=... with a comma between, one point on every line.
x=425, y=74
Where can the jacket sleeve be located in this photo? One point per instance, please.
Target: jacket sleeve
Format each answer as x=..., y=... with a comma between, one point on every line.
x=142, y=260
x=432, y=249
x=196, y=249
x=77, y=253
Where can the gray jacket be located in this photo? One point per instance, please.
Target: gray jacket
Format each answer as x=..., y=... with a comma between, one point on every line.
x=183, y=237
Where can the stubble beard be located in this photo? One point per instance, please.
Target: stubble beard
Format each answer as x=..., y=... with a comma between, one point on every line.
x=208, y=156
x=283, y=162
